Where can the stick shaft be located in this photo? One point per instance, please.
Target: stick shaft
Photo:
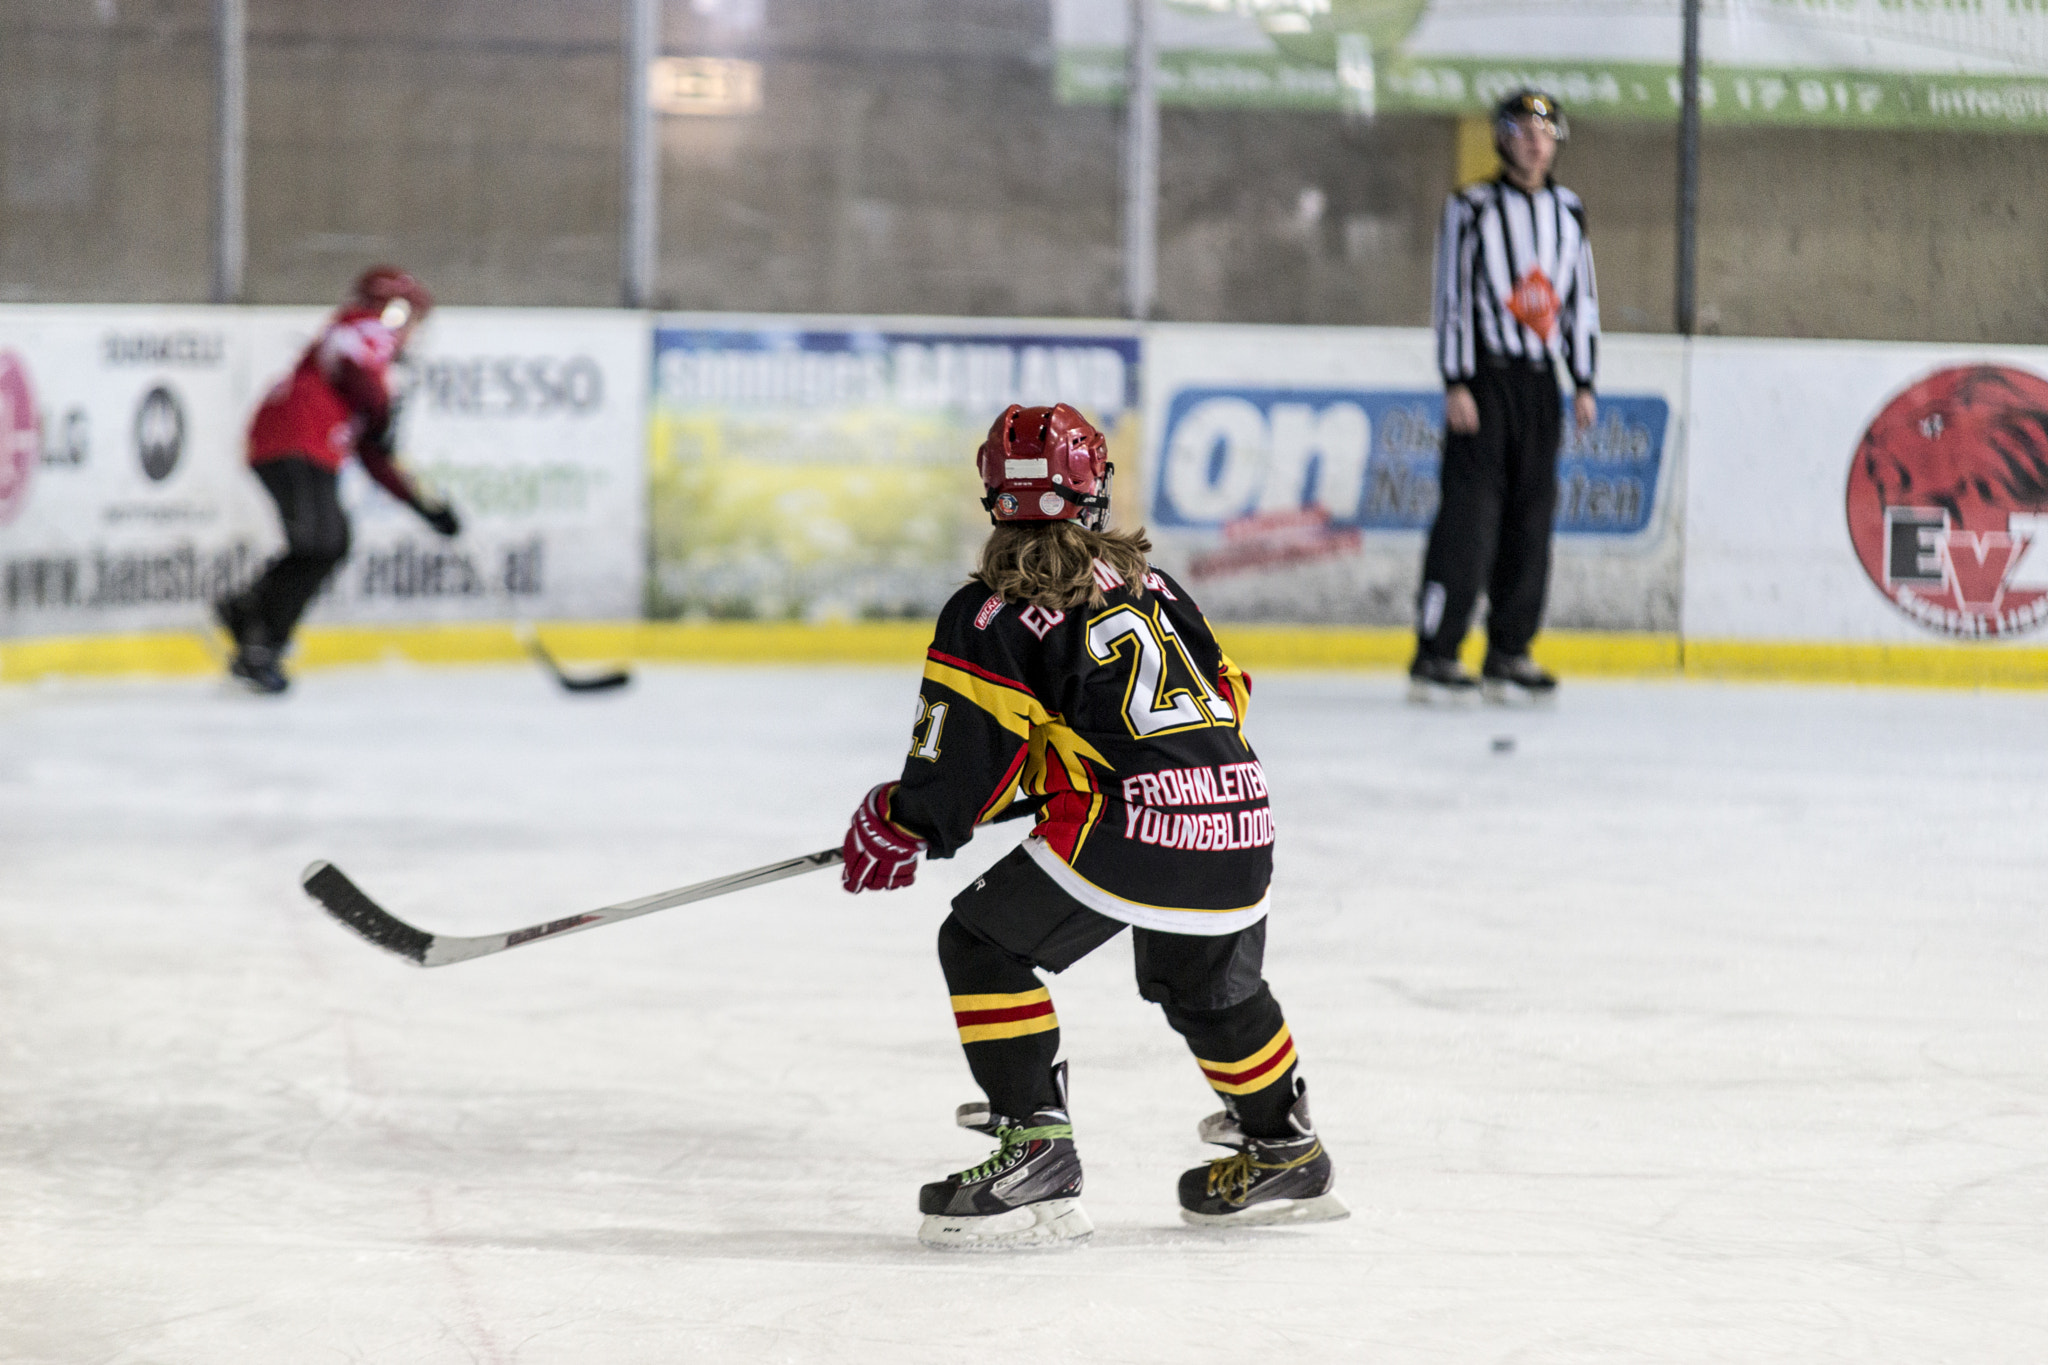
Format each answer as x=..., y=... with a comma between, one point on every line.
x=346, y=902
x=446, y=950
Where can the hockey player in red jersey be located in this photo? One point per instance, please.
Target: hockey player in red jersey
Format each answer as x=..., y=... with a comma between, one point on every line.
x=335, y=403
x=1070, y=676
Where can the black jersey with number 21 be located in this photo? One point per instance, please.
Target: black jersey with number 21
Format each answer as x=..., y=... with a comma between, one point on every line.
x=1126, y=720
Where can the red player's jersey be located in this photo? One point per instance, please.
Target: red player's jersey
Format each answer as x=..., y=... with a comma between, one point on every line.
x=339, y=393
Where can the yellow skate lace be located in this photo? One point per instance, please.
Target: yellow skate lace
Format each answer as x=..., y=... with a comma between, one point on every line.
x=1011, y=1139
x=1232, y=1177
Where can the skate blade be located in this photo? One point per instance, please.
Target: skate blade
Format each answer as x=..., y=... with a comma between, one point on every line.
x=1436, y=694
x=1324, y=1208
x=1507, y=694
x=1049, y=1223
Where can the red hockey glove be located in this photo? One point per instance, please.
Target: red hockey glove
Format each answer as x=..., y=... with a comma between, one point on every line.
x=880, y=854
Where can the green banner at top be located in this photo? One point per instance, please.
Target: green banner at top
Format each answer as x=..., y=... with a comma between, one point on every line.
x=1950, y=64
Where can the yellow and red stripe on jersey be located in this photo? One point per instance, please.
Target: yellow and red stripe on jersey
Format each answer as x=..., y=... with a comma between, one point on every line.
x=1006, y=789
x=986, y=1018
x=1255, y=1072
x=1055, y=759
x=1008, y=701
x=1076, y=802
x=1237, y=687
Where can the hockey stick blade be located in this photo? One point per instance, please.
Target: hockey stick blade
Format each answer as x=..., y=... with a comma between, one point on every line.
x=596, y=682
x=344, y=900
x=347, y=902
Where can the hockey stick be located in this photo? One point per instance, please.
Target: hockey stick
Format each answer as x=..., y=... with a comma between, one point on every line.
x=344, y=900
x=596, y=682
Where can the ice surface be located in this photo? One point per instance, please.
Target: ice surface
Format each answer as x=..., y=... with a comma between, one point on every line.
x=1704, y=1025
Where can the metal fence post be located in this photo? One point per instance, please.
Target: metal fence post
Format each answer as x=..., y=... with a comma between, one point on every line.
x=1689, y=174
x=230, y=147
x=642, y=181
x=1141, y=164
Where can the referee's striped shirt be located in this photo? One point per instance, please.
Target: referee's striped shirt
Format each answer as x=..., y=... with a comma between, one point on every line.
x=1499, y=249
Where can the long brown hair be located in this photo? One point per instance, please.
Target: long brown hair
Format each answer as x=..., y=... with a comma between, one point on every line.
x=1050, y=564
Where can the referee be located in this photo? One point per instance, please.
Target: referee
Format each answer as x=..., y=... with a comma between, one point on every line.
x=1514, y=299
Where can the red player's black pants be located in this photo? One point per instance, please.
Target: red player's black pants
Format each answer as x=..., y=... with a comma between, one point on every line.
x=1016, y=919
x=315, y=540
x=1493, y=524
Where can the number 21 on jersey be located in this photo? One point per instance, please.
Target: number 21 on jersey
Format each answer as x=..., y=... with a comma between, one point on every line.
x=926, y=729
x=1165, y=692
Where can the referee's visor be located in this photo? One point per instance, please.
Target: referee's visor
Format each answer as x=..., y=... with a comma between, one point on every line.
x=1533, y=105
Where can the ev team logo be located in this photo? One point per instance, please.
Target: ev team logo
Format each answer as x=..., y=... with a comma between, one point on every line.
x=20, y=436
x=1948, y=501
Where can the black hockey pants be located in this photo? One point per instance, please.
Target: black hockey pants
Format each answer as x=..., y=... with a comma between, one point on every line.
x=315, y=540
x=1492, y=527
x=1015, y=919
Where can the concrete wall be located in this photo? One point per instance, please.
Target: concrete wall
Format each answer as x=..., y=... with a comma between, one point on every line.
x=908, y=157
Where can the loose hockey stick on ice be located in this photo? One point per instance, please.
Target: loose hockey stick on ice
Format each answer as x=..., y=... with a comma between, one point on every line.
x=344, y=900
x=595, y=682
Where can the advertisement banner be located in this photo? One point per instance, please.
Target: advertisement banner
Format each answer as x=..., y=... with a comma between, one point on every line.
x=124, y=505
x=125, y=502
x=1868, y=492
x=1848, y=63
x=1296, y=476
x=530, y=422
x=825, y=469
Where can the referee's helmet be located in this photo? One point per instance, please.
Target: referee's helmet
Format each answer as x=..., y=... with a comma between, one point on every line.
x=1529, y=104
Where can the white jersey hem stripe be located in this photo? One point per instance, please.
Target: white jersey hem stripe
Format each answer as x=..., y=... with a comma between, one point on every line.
x=1201, y=923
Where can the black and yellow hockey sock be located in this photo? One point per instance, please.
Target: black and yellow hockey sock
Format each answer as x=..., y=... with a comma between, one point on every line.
x=1007, y=1025
x=1247, y=1055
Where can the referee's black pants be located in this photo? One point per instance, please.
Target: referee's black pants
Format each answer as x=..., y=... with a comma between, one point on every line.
x=1492, y=526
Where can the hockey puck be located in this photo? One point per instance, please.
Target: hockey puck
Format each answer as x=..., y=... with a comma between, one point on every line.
x=1503, y=744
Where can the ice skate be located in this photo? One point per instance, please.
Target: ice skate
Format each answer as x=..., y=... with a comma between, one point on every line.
x=1433, y=680
x=254, y=665
x=1505, y=679
x=1270, y=1180
x=1026, y=1195
x=256, y=668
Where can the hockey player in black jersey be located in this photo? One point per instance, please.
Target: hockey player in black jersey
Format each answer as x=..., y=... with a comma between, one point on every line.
x=1072, y=677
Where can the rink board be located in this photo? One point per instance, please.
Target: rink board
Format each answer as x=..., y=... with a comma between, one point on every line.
x=1709, y=523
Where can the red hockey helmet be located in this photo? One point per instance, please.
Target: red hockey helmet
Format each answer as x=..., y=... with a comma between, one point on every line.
x=1045, y=464
x=381, y=286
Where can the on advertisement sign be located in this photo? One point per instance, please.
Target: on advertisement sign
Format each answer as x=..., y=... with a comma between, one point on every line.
x=829, y=470
x=1236, y=459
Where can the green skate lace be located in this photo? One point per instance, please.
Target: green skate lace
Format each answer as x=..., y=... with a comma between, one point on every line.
x=1232, y=1176
x=1011, y=1139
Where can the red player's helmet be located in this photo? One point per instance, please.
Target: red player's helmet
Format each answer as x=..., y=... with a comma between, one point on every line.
x=1045, y=464
x=382, y=286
